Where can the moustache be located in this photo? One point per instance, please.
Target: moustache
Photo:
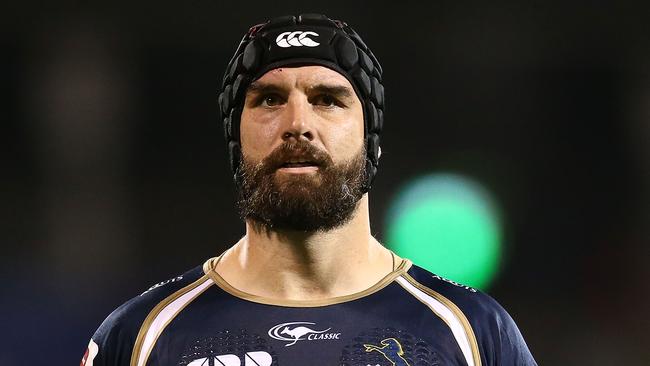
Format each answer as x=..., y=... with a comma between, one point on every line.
x=298, y=151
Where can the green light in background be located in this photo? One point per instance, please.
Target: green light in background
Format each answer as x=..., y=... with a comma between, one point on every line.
x=449, y=225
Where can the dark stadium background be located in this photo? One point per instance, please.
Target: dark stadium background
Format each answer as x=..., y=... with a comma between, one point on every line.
x=115, y=176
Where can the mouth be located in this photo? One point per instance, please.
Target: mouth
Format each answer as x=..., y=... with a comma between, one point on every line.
x=298, y=164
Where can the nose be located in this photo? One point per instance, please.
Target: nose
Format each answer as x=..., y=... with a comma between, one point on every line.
x=298, y=120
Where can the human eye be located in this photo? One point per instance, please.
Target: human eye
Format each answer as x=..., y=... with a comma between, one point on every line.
x=270, y=100
x=327, y=100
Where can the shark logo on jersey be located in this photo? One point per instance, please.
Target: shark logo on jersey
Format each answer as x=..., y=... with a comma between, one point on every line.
x=299, y=331
x=391, y=349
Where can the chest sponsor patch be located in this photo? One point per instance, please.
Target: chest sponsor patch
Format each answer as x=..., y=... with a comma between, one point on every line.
x=293, y=332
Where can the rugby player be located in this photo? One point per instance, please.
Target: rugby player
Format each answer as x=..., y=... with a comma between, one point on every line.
x=302, y=104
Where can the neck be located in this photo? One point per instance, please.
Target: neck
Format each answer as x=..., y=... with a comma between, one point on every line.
x=284, y=264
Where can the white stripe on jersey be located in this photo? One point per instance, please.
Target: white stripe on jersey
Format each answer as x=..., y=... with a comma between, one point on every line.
x=446, y=314
x=165, y=316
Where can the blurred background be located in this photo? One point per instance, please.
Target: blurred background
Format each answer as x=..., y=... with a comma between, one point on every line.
x=526, y=125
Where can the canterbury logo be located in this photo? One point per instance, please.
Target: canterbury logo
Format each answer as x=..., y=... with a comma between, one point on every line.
x=297, y=38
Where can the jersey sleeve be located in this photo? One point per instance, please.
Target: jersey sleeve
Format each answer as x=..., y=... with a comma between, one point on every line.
x=501, y=342
x=498, y=338
x=114, y=341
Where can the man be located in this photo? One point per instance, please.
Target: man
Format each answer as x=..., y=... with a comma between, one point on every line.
x=302, y=104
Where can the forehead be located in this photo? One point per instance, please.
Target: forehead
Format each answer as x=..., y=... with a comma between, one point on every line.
x=303, y=76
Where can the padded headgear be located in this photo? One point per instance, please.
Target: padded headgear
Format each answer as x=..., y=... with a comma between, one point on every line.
x=308, y=39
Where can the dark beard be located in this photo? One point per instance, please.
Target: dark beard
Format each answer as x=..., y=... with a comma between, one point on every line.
x=310, y=202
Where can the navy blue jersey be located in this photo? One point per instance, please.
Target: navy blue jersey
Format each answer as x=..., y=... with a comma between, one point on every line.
x=410, y=318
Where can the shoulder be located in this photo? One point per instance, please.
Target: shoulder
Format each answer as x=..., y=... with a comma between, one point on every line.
x=473, y=303
x=488, y=326
x=113, y=342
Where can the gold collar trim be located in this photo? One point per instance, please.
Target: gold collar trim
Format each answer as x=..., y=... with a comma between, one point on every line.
x=209, y=269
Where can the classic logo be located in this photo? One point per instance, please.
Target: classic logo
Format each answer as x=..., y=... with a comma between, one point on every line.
x=163, y=283
x=297, y=39
x=454, y=283
x=90, y=354
x=299, y=331
x=258, y=358
x=391, y=349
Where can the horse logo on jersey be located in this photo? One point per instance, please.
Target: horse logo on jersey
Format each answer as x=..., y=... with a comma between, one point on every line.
x=299, y=331
x=391, y=349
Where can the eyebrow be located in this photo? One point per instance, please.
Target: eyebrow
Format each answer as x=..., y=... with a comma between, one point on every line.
x=262, y=88
x=339, y=91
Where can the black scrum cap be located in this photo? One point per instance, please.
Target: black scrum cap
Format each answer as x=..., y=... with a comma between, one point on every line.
x=308, y=39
